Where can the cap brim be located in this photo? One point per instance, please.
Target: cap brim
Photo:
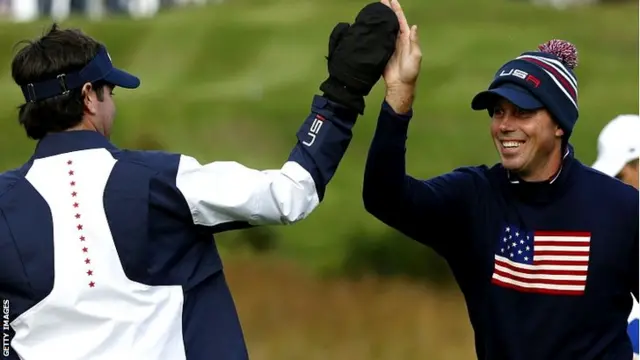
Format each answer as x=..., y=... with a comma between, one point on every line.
x=610, y=167
x=122, y=79
x=519, y=97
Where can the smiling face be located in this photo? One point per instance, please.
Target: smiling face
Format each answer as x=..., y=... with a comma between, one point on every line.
x=529, y=141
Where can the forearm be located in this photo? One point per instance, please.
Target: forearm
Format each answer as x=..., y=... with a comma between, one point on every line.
x=385, y=171
x=385, y=180
x=224, y=192
x=402, y=201
x=389, y=194
x=323, y=140
x=400, y=98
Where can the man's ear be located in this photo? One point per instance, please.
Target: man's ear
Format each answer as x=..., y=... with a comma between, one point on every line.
x=89, y=98
x=559, y=131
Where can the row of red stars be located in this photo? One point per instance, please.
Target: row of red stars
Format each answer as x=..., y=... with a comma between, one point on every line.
x=87, y=261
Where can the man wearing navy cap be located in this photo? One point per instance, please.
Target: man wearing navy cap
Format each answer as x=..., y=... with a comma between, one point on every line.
x=544, y=248
x=107, y=254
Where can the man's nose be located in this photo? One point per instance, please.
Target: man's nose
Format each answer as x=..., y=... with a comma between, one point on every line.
x=506, y=123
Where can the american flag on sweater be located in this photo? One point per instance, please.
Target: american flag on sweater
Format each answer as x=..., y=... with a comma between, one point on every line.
x=551, y=262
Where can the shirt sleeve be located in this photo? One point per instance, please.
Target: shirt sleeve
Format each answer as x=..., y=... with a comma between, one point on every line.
x=226, y=192
x=424, y=210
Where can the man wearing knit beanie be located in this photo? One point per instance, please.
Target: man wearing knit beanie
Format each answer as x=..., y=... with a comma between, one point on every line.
x=544, y=248
x=533, y=100
x=535, y=80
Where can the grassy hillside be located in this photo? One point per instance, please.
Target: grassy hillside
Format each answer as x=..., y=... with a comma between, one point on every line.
x=290, y=315
x=234, y=81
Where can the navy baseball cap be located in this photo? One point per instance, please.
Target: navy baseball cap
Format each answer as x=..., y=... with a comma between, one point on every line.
x=100, y=68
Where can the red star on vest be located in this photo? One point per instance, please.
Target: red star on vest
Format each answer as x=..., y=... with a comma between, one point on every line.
x=92, y=284
x=89, y=272
x=79, y=227
x=87, y=261
x=75, y=205
x=69, y=162
x=74, y=194
x=77, y=216
x=84, y=249
x=70, y=172
x=73, y=183
x=82, y=238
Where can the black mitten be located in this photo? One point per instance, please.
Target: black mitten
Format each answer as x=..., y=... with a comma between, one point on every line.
x=358, y=54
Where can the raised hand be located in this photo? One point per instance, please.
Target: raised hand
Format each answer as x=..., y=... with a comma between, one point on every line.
x=358, y=54
x=401, y=72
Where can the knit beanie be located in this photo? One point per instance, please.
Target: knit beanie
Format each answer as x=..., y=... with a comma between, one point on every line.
x=538, y=79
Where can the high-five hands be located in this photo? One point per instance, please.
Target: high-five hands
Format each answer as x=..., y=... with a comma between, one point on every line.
x=358, y=55
x=401, y=72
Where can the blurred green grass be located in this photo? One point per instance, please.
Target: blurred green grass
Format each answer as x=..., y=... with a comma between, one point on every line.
x=234, y=81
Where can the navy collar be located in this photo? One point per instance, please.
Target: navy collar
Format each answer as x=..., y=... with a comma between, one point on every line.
x=68, y=141
x=514, y=179
x=544, y=191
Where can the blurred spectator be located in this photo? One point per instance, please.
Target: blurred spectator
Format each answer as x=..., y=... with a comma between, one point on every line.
x=24, y=10
x=143, y=8
x=563, y=4
x=5, y=7
x=619, y=149
x=29, y=10
x=618, y=153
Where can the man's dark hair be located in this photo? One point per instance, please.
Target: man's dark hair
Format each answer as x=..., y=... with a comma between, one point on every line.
x=58, y=51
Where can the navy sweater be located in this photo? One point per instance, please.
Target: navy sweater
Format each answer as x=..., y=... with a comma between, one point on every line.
x=546, y=269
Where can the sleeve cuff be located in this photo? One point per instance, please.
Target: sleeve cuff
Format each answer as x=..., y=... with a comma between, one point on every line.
x=389, y=110
x=392, y=124
x=328, y=108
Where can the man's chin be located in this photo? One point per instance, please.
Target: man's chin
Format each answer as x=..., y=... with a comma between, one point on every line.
x=511, y=165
